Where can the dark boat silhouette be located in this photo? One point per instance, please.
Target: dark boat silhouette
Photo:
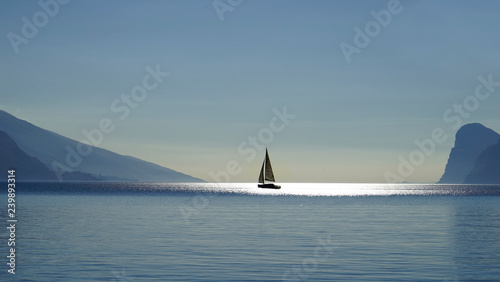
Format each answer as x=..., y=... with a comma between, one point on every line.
x=267, y=175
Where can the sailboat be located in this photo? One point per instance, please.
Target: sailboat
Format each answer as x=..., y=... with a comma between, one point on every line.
x=266, y=174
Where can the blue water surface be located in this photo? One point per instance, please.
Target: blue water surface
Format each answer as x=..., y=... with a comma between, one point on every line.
x=237, y=232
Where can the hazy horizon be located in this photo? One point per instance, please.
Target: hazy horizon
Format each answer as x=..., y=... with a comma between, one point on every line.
x=216, y=75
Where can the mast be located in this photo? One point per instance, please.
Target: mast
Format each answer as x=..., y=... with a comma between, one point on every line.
x=269, y=175
x=266, y=172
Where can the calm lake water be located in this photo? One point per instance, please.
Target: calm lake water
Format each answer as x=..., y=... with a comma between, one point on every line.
x=237, y=232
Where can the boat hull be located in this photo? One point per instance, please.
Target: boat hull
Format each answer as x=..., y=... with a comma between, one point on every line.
x=269, y=186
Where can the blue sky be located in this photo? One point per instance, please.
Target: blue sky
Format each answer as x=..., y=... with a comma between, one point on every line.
x=353, y=119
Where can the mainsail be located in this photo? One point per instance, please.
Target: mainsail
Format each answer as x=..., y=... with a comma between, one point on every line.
x=266, y=172
x=269, y=169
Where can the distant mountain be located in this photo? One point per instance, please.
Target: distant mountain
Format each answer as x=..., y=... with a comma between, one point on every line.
x=486, y=169
x=30, y=168
x=63, y=155
x=26, y=167
x=470, y=141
